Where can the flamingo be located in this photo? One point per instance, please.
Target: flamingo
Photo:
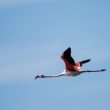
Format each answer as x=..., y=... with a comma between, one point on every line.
x=72, y=68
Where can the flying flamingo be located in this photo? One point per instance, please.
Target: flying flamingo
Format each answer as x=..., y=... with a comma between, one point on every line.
x=72, y=68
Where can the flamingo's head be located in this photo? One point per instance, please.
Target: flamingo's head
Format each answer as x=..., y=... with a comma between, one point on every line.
x=39, y=76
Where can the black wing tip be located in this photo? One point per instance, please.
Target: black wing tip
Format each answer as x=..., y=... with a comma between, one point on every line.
x=68, y=49
x=88, y=60
x=103, y=69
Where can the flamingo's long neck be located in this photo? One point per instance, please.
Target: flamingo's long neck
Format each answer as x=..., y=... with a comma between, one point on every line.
x=52, y=76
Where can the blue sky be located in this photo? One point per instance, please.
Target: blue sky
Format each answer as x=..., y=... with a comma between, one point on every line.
x=33, y=34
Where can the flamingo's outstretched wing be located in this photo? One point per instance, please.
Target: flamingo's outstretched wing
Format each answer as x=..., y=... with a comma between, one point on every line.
x=68, y=60
x=67, y=56
x=84, y=61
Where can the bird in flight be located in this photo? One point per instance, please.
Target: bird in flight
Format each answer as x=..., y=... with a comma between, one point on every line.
x=72, y=68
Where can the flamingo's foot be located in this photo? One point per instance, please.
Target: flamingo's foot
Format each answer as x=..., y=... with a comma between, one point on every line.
x=103, y=69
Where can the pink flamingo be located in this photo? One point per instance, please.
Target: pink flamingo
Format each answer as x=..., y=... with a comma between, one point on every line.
x=72, y=68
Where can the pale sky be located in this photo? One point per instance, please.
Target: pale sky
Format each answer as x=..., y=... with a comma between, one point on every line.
x=33, y=35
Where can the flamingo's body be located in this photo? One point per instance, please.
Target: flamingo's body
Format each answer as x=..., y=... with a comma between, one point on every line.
x=72, y=67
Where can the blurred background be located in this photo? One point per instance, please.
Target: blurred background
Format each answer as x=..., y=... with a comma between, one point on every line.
x=33, y=35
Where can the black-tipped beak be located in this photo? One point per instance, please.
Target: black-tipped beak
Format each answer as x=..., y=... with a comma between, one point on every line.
x=37, y=77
